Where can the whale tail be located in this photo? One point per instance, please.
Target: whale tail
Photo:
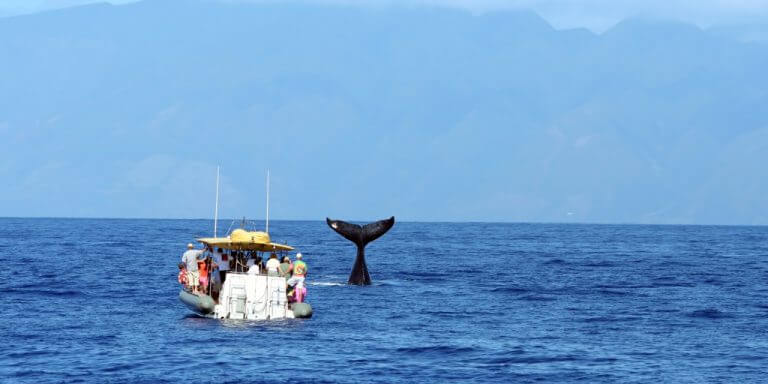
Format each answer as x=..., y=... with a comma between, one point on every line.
x=361, y=236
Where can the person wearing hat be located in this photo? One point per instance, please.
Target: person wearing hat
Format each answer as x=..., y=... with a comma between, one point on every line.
x=299, y=271
x=190, y=259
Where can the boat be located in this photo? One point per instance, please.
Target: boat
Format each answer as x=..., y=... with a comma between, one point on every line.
x=245, y=295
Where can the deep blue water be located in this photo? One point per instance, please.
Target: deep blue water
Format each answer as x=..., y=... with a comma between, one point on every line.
x=96, y=301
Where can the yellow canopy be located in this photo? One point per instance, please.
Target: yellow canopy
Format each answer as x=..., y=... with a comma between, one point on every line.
x=242, y=239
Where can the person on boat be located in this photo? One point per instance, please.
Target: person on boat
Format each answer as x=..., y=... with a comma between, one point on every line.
x=255, y=267
x=273, y=265
x=285, y=267
x=298, y=290
x=202, y=267
x=250, y=260
x=183, y=275
x=299, y=271
x=245, y=259
x=256, y=260
x=190, y=259
x=214, y=277
x=240, y=262
x=221, y=259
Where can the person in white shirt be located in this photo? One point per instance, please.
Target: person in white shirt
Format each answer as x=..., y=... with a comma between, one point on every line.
x=273, y=265
x=190, y=259
x=254, y=265
x=222, y=260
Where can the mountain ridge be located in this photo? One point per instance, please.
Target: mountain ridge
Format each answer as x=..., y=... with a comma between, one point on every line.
x=426, y=113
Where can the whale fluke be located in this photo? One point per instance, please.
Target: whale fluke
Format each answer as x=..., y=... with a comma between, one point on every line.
x=361, y=236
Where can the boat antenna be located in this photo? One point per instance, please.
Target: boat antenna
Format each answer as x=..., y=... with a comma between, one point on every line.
x=267, y=221
x=216, y=209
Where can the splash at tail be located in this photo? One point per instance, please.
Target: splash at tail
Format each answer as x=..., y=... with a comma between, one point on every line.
x=361, y=236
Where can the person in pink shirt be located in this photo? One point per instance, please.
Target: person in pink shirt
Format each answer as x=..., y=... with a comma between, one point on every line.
x=183, y=275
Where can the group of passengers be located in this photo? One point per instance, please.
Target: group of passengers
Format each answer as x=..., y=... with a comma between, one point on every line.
x=204, y=270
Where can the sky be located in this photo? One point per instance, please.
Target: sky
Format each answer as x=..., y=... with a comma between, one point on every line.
x=596, y=15
x=425, y=113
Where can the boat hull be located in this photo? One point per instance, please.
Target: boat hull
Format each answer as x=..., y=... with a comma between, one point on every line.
x=301, y=310
x=200, y=304
x=248, y=297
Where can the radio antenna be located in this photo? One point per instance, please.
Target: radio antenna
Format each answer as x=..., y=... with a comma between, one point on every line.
x=267, y=230
x=216, y=209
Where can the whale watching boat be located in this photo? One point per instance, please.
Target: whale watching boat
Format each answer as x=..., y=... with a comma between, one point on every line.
x=245, y=294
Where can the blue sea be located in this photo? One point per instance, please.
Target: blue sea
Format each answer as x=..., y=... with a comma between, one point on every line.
x=96, y=301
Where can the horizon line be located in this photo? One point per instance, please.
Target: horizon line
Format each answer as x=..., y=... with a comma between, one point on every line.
x=400, y=221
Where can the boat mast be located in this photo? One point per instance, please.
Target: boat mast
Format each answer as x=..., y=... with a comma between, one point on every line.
x=267, y=229
x=216, y=209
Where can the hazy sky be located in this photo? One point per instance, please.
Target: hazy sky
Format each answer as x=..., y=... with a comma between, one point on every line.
x=425, y=114
x=597, y=15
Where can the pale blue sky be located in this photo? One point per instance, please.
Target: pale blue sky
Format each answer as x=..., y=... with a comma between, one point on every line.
x=424, y=113
x=596, y=15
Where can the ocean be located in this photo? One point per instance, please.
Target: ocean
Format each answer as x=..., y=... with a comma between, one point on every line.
x=96, y=301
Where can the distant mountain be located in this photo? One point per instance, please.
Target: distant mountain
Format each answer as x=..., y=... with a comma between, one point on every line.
x=744, y=33
x=422, y=113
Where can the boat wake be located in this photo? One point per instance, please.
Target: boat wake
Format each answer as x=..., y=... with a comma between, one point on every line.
x=327, y=283
x=345, y=284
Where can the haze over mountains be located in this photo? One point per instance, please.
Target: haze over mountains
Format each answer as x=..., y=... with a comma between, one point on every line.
x=361, y=113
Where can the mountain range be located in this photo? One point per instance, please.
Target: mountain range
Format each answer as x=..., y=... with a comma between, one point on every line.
x=425, y=113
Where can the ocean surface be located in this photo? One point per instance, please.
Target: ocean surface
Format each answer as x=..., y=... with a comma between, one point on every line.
x=96, y=301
